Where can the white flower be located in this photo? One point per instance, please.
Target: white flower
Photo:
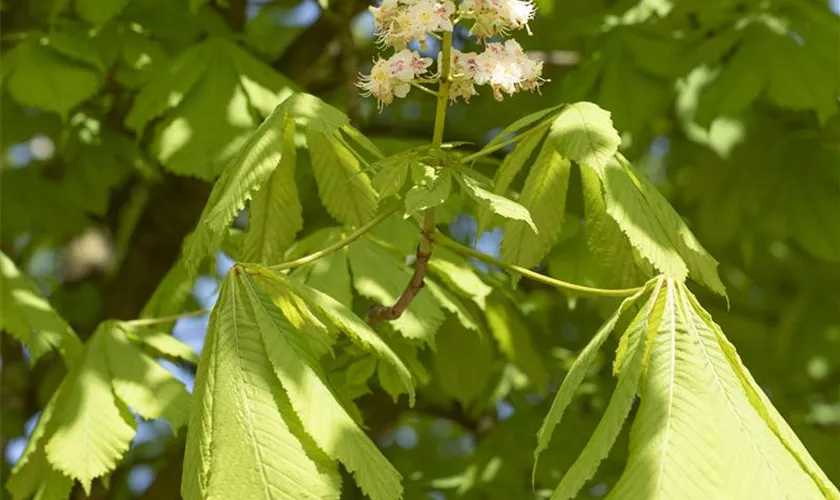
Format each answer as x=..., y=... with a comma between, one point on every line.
x=497, y=17
x=393, y=76
x=462, y=71
x=400, y=21
x=506, y=68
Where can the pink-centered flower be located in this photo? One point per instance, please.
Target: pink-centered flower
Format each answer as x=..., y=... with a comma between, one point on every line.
x=392, y=77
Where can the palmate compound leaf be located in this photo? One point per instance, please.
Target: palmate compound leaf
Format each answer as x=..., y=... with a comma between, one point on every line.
x=30, y=318
x=232, y=93
x=89, y=427
x=54, y=73
x=792, y=72
x=544, y=197
x=252, y=168
x=654, y=228
x=244, y=439
x=323, y=417
x=344, y=319
x=246, y=174
x=581, y=368
x=703, y=429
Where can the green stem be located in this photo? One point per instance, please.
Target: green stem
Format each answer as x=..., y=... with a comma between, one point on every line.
x=601, y=292
x=440, y=123
x=424, y=89
x=501, y=145
x=165, y=319
x=350, y=238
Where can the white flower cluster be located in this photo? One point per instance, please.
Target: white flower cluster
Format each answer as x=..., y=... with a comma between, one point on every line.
x=503, y=66
x=496, y=17
x=401, y=21
x=393, y=76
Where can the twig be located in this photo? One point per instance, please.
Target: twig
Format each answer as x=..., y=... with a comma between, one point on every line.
x=424, y=89
x=350, y=238
x=424, y=249
x=381, y=313
x=443, y=240
x=165, y=319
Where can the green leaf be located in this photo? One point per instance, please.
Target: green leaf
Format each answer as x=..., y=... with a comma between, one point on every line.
x=33, y=476
x=92, y=430
x=734, y=88
x=378, y=275
x=499, y=205
x=314, y=114
x=171, y=294
x=163, y=343
x=454, y=305
x=462, y=363
x=431, y=188
x=143, y=384
x=522, y=123
x=226, y=93
x=323, y=417
x=275, y=214
x=392, y=173
x=674, y=445
x=580, y=368
x=345, y=190
x=758, y=437
x=459, y=275
x=619, y=264
x=169, y=88
x=40, y=74
x=514, y=338
x=251, y=168
x=30, y=318
x=583, y=132
x=654, y=228
x=244, y=439
x=544, y=196
x=507, y=171
x=791, y=71
x=99, y=12
x=331, y=275
x=344, y=319
x=621, y=401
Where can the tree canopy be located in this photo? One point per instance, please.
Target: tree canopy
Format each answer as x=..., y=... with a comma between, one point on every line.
x=229, y=272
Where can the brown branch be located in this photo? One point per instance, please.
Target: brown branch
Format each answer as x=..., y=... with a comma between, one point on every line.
x=380, y=313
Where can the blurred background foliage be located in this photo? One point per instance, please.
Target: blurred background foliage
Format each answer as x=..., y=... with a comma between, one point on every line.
x=116, y=115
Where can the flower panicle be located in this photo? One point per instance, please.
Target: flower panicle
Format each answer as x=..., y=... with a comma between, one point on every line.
x=503, y=66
